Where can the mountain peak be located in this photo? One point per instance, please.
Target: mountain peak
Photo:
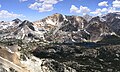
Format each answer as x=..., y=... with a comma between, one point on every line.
x=17, y=20
x=87, y=17
x=27, y=23
x=57, y=14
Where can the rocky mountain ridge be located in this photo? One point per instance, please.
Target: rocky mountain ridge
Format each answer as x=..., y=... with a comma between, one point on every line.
x=62, y=28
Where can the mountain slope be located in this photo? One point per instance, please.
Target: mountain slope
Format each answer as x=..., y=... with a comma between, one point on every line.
x=113, y=21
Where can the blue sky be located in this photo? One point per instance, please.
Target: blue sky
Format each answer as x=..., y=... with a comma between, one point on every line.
x=37, y=9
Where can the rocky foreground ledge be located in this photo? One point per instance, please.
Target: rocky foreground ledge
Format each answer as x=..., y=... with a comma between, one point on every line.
x=19, y=56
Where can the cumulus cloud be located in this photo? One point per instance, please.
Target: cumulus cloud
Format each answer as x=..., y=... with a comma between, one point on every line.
x=35, y=6
x=110, y=9
x=6, y=14
x=23, y=0
x=116, y=3
x=96, y=12
x=104, y=10
x=99, y=11
x=82, y=9
x=44, y=5
x=104, y=3
x=74, y=9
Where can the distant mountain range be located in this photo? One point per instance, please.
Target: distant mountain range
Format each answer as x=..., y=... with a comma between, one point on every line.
x=63, y=29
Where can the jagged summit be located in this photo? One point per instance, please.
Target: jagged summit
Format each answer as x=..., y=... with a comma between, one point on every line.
x=28, y=23
x=17, y=20
x=87, y=17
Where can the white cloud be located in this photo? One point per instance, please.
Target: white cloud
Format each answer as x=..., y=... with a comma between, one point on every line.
x=6, y=14
x=104, y=3
x=35, y=6
x=96, y=12
x=74, y=9
x=49, y=1
x=82, y=9
x=112, y=9
x=104, y=10
x=44, y=5
x=0, y=6
x=23, y=0
x=99, y=11
x=116, y=3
